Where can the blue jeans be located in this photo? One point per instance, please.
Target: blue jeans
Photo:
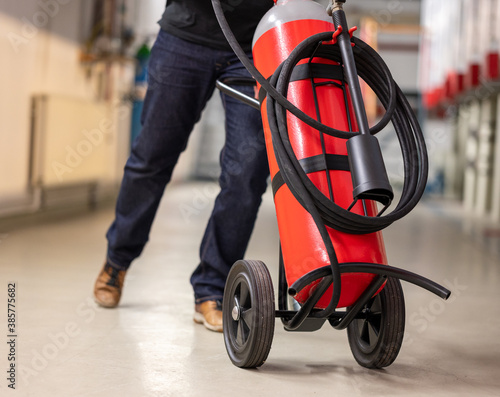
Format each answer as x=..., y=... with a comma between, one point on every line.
x=181, y=79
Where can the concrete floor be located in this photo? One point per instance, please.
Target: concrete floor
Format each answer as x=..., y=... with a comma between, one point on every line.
x=149, y=346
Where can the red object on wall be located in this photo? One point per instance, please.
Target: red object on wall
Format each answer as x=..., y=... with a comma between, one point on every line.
x=433, y=98
x=492, y=66
x=302, y=247
x=473, y=75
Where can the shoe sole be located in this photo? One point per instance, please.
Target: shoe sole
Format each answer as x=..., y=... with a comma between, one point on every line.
x=105, y=305
x=198, y=318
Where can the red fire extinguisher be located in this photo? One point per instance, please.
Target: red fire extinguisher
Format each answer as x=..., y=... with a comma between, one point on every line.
x=327, y=174
x=319, y=91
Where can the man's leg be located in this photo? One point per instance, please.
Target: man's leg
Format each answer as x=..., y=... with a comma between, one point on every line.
x=243, y=180
x=181, y=80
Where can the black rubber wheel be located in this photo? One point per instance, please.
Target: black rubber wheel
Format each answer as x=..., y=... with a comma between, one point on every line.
x=248, y=313
x=375, y=341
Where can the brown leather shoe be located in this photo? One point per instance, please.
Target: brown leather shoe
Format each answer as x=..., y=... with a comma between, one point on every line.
x=108, y=286
x=209, y=313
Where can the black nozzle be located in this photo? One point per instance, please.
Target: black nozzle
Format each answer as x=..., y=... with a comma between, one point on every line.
x=368, y=173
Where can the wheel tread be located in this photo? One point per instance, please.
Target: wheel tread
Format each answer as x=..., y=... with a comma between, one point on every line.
x=263, y=302
x=392, y=302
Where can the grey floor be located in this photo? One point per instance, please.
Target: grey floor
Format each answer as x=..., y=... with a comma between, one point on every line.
x=149, y=346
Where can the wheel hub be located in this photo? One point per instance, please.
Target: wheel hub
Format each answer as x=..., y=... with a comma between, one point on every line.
x=236, y=312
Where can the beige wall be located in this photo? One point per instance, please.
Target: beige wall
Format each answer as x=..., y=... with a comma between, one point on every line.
x=40, y=48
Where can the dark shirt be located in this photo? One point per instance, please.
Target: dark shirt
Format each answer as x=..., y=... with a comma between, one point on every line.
x=194, y=20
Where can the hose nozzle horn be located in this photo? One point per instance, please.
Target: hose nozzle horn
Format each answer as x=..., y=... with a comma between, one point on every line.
x=368, y=173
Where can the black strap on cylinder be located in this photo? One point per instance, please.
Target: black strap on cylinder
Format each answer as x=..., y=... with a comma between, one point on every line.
x=308, y=70
x=334, y=162
x=317, y=71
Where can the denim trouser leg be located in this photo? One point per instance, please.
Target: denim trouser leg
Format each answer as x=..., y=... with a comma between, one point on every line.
x=181, y=79
x=243, y=180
